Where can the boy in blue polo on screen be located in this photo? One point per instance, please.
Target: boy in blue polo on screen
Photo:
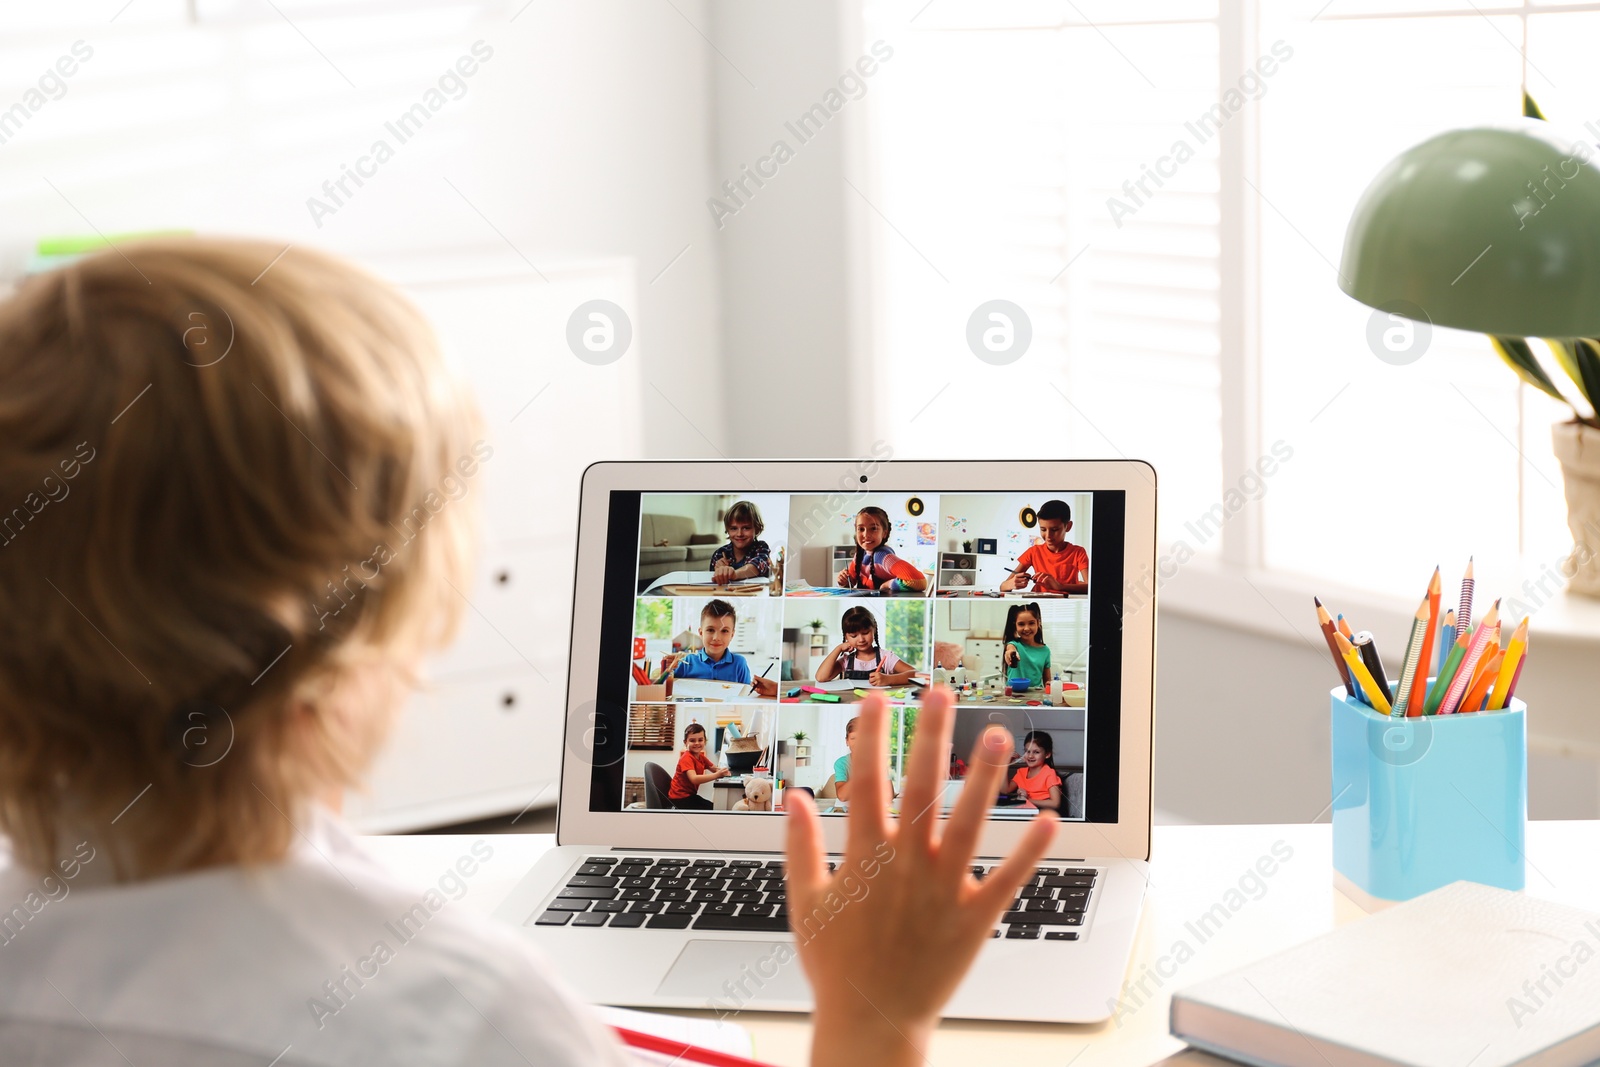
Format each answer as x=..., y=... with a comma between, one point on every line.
x=714, y=660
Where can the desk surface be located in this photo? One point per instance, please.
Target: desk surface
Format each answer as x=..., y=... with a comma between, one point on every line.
x=1193, y=868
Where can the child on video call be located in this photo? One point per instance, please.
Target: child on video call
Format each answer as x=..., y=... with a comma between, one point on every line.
x=1056, y=566
x=875, y=565
x=694, y=770
x=1026, y=654
x=714, y=661
x=199, y=546
x=861, y=655
x=1037, y=778
x=743, y=557
x=841, y=766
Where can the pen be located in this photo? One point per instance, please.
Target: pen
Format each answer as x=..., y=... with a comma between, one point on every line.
x=763, y=675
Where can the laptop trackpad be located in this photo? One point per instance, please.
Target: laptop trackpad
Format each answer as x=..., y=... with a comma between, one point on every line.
x=739, y=972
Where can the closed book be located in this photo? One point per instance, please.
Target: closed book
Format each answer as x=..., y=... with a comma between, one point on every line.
x=1467, y=974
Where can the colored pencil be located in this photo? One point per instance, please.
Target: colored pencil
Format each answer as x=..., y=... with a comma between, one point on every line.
x=1447, y=640
x=1469, y=663
x=1405, y=699
x=1369, y=656
x=1485, y=675
x=1344, y=628
x=1508, y=667
x=1447, y=673
x=1325, y=621
x=1375, y=696
x=1419, y=684
x=1464, y=615
x=1511, y=690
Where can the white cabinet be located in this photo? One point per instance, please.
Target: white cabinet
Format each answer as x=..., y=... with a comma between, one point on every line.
x=484, y=737
x=981, y=659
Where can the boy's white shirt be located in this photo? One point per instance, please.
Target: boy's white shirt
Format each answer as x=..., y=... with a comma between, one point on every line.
x=227, y=966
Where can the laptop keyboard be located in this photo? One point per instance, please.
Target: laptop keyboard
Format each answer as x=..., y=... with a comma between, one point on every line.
x=674, y=893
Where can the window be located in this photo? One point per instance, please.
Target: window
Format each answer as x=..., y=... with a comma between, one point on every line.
x=1180, y=275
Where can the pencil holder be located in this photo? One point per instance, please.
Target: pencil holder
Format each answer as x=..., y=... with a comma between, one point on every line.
x=1421, y=802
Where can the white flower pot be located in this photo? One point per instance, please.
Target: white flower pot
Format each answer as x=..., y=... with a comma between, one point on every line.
x=1578, y=448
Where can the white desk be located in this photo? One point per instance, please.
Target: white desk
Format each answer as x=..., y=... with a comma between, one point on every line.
x=1193, y=869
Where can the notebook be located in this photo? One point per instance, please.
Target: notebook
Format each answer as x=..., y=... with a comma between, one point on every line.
x=1465, y=974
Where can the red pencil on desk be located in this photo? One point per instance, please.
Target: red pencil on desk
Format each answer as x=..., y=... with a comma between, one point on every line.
x=682, y=1053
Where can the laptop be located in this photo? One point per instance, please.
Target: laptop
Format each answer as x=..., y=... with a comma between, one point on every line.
x=666, y=890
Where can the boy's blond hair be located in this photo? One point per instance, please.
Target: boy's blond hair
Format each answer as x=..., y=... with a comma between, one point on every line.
x=227, y=523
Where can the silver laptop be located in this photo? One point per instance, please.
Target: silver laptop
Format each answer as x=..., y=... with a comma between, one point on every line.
x=666, y=886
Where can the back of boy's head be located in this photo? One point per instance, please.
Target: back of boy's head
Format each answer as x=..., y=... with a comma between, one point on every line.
x=744, y=511
x=1055, y=511
x=262, y=527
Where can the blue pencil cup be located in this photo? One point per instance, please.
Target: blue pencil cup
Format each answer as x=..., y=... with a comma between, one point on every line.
x=1421, y=802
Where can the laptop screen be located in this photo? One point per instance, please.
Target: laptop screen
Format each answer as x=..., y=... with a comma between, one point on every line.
x=741, y=631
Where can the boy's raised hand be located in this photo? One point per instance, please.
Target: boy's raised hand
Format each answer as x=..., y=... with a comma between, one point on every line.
x=887, y=937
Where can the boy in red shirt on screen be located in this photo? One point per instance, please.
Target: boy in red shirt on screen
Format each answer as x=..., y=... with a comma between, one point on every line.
x=1056, y=565
x=694, y=770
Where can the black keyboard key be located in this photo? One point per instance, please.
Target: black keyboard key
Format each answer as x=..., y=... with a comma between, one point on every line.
x=1043, y=918
x=563, y=904
x=978, y=873
x=1022, y=933
x=673, y=883
x=645, y=907
x=722, y=909
x=709, y=896
x=589, y=918
x=638, y=883
x=588, y=894
x=591, y=881
x=554, y=918
x=1037, y=905
x=669, y=922
x=710, y=863
x=1061, y=935
x=681, y=909
x=632, y=872
x=594, y=869
x=1048, y=872
x=709, y=883
x=1065, y=882
x=672, y=894
x=604, y=861
x=1037, y=891
x=775, y=865
x=745, y=896
x=1073, y=896
x=745, y=863
x=1080, y=872
x=628, y=919
x=758, y=911
x=776, y=898
x=638, y=894
x=774, y=925
x=610, y=905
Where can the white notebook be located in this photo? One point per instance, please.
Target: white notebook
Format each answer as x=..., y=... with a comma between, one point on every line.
x=1463, y=975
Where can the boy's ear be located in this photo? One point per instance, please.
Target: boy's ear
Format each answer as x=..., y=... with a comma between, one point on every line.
x=1066, y=526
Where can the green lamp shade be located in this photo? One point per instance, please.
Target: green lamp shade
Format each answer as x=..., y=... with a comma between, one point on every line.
x=1493, y=229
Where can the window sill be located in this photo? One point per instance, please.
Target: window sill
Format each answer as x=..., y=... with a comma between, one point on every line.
x=1277, y=604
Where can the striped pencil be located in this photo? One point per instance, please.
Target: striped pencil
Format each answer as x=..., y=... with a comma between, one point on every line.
x=1419, y=685
x=1480, y=641
x=1403, y=692
x=1464, y=615
x=1447, y=640
x=1447, y=674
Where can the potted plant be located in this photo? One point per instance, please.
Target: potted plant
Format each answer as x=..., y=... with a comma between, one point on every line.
x=816, y=625
x=1576, y=441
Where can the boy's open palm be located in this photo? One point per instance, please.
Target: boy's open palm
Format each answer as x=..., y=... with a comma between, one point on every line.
x=900, y=921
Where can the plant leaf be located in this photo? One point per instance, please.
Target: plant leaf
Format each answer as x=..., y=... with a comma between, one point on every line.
x=1563, y=351
x=1588, y=357
x=1515, y=351
x=1529, y=108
